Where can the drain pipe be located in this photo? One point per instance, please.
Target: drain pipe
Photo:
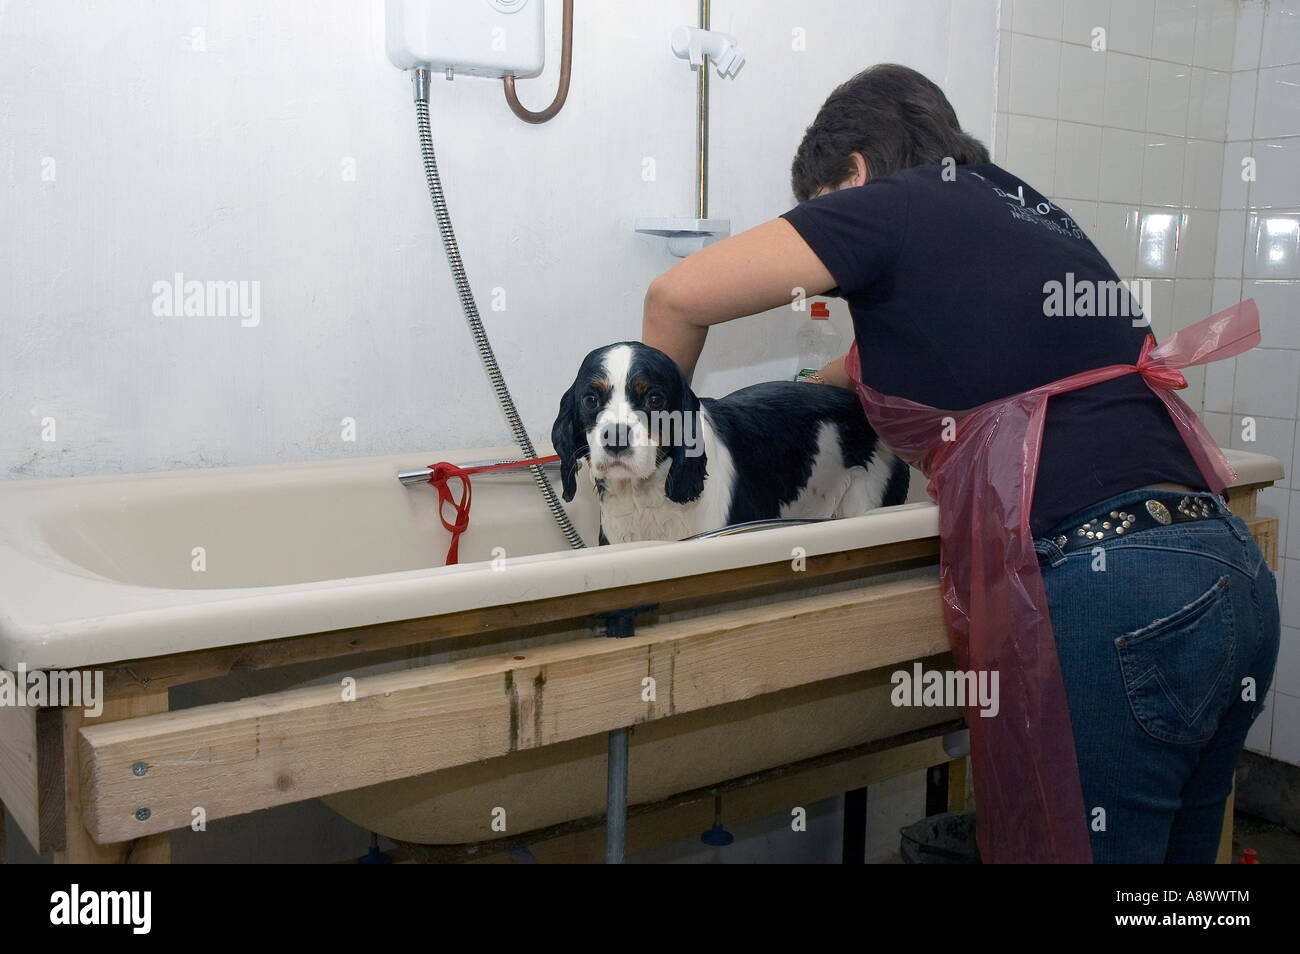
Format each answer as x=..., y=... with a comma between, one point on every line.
x=618, y=625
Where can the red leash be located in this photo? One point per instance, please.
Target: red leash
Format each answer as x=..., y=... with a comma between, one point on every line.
x=442, y=472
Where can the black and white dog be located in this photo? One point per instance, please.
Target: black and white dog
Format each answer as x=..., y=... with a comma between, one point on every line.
x=668, y=465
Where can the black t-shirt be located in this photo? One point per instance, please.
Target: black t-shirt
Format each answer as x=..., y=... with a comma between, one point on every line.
x=945, y=280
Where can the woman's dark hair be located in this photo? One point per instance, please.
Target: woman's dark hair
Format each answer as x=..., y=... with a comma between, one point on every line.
x=891, y=114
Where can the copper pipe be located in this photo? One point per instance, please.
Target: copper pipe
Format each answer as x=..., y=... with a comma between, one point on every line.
x=566, y=61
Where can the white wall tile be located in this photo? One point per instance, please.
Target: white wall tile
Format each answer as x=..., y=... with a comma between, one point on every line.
x=1245, y=49
x=1035, y=76
x=1286, y=729
x=1126, y=92
x=1227, y=292
x=1273, y=436
x=1174, y=31
x=1277, y=165
x=1158, y=243
x=1281, y=34
x=1122, y=154
x=1031, y=150
x=1260, y=736
x=1267, y=382
x=1272, y=245
x=1081, y=17
x=1082, y=84
x=1162, y=170
x=1207, y=115
x=1085, y=216
x=1191, y=301
x=1160, y=307
x=1039, y=17
x=1279, y=312
x=1286, y=677
x=1117, y=235
x=1241, y=105
x=1167, y=97
x=1130, y=26
x=1202, y=174
x=1218, y=396
x=1275, y=502
x=1290, y=603
x=1291, y=547
x=1232, y=241
x=1004, y=71
x=1078, y=161
x=1215, y=34
x=1277, y=105
x=1236, y=191
x=1217, y=424
x=1198, y=233
x=1294, y=476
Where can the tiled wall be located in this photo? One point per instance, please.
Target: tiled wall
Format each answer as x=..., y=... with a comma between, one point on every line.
x=1259, y=257
x=1134, y=115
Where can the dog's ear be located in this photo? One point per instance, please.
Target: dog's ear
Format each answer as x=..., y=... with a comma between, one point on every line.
x=570, y=443
x=689, y=462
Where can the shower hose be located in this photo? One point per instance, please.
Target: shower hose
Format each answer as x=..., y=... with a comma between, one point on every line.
x=420, y=82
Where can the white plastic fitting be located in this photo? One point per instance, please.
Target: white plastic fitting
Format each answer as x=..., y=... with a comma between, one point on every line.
x=694, y=44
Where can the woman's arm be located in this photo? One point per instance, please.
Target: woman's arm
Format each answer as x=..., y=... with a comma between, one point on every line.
x=748, y=273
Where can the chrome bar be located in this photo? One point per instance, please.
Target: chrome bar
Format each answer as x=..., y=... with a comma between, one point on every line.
x=422, y=476
x=750, y=525
x=702, y=126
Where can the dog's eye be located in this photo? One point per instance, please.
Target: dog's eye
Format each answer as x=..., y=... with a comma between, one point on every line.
x=590, y=401
x=655, y=401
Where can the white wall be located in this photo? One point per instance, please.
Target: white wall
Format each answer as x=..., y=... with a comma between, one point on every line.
x=1258, y=257
x=227, y=164
x=1143, y=143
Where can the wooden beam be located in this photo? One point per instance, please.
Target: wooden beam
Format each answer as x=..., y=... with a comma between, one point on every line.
x=236, y=757
x=19, y=789
x=79, y=847
x=1265, y=532
x=181, y=668
x=1224, y=856
x=548, y=786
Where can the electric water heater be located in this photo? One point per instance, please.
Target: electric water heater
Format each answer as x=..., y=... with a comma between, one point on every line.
x=491, y=38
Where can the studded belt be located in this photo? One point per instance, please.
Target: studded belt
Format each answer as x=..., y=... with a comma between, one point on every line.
x=1161, y=509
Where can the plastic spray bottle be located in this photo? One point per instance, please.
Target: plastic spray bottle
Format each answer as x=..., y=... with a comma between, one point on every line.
x=819, y=342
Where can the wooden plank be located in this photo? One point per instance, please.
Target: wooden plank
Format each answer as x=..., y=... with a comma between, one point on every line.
x=79, y=847
x=1224, y=856
x=19, y=790
x=1265, y=532
x=957, y=785
x=182, y=668
x=543, y=787
x=1241, y=500
x=237, y=757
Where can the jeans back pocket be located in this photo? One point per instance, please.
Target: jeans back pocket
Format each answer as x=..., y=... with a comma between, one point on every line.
x=1176, y=670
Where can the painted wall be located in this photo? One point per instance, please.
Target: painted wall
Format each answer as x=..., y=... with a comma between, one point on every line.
x=274, y=143
x=284, y=152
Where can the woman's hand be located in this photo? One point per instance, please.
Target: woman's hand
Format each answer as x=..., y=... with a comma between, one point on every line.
x=835, y=375
x=743, y=275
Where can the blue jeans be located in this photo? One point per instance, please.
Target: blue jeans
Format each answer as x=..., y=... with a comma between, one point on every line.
x=1158, y=651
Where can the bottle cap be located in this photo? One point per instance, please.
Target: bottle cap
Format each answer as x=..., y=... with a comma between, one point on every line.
x=820, y=310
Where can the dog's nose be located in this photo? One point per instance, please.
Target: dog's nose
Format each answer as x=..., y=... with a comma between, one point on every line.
x=615, y=438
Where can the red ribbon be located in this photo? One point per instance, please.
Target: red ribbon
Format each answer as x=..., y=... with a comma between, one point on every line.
x=444, y=471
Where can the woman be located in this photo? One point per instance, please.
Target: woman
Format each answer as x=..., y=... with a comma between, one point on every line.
x=1165, y=639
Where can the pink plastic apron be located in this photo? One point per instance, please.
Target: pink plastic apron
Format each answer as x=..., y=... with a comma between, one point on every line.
x=981, y=464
